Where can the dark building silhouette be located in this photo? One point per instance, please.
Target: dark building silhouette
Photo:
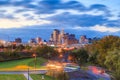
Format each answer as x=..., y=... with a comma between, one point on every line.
x=18, y=40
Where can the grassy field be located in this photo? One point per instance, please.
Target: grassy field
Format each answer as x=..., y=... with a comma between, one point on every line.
x=39, y=77
x=12, y=77
x=22, y=63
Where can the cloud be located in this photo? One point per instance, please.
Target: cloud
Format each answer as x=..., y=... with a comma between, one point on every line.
x=99, y=7
x=105, y=29
x=99, y=28
x=50, y=6
x=77, y=12
x=76, y=20
x=4, y=2
x=8, y=23
x=56, y=12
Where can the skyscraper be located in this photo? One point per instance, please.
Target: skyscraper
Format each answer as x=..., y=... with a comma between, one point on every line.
x=18, y=40
x=38, y=40
x=59, y=38
x=55, y=36
x=83, y=40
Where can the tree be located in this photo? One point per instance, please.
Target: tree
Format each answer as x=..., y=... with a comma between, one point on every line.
x=112, y=62
x=46, y=51
x=93, y=57
x=106, y=53
x=80, y=56
x=102, y=46
x=20, y=48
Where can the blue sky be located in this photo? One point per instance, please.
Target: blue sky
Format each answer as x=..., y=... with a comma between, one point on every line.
x=88, y=15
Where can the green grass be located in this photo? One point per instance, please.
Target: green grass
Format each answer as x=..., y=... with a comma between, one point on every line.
x=12, y=77
x=39, y=77
x=28, y=62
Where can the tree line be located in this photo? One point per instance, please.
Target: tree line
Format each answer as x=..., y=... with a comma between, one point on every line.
x=104, y=53
x=18, y=52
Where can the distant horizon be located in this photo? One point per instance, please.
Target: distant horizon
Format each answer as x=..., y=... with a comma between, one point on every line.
x=26, y=34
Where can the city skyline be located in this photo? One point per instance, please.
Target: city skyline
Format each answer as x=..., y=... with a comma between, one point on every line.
x=11, y=36
x=47, y=38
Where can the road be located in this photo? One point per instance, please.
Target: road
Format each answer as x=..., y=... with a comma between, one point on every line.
x=73, y=74
x=24, y=72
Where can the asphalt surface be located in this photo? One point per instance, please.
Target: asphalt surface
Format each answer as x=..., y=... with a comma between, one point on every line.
x=24, y=72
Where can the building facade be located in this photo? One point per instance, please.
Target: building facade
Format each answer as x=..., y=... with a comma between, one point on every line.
x=60, y=37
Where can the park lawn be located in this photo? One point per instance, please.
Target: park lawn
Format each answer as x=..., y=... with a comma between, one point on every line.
x=23, y=63
x=39, y=77
x=12, y=77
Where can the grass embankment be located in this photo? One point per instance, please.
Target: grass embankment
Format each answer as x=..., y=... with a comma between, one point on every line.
x=12, y=77
x=39, y=77
x=22, y=64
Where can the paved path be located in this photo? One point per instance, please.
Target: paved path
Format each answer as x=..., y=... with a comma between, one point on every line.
x=23, y=72
x=27, y=76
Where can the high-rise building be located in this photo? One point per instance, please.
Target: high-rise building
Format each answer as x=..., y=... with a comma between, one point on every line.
x=70, y=39
x=58, y=37
x=32, y=40
x=2, y=42
x=55, y=36
x=61, y=37
x=38, y=40
x=18, y=40
x=83, y=40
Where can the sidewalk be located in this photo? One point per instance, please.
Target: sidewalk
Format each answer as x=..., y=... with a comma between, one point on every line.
x=26, y=75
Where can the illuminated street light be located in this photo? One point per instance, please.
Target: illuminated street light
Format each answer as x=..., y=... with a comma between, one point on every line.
x=60, y=55
x=34, y=55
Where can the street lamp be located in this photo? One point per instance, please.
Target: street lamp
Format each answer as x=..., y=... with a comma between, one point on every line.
x=28, y=73
x=34, y=55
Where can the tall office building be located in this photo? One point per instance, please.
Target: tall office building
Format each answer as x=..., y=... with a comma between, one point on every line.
x=59, y=38
x=38, y=40
x=55, y=36
x=32, y=40
x=18, y=40
x=70, y=39
x=83, y=39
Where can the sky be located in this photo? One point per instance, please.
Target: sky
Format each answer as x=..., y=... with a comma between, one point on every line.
x=86, y=15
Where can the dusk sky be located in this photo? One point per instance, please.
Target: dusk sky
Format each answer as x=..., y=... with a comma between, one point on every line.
x=87, y=15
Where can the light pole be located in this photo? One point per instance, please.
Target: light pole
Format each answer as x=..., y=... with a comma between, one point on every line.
x=28, y=73
x=34, y=55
